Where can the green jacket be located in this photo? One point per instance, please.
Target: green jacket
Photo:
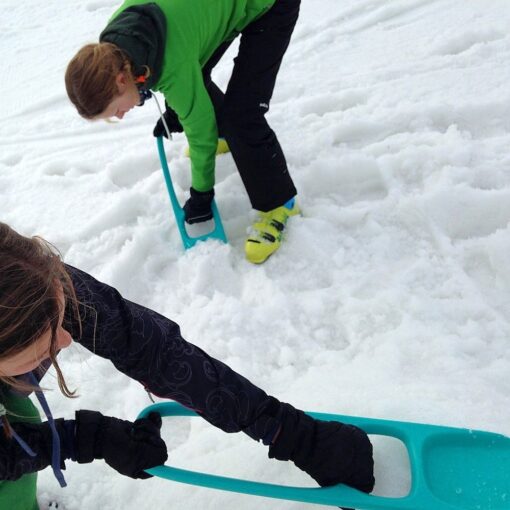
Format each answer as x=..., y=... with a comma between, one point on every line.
x=190, y=31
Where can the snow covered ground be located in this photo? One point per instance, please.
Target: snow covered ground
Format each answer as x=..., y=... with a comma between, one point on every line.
x=390, y=296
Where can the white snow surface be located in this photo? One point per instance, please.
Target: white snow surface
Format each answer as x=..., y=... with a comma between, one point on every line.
x=390, y=295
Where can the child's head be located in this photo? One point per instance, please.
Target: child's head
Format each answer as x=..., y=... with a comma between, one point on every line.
x=100, y=82
x=34, y=290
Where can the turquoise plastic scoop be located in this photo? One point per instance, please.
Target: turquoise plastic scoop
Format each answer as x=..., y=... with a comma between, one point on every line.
x=216, y=233
x=451, y=469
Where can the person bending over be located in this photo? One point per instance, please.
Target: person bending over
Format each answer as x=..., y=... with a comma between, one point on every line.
x=171, y=46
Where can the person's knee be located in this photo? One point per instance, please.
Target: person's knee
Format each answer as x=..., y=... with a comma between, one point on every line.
x=243, y=120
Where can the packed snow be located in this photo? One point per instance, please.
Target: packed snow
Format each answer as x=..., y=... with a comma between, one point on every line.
x=390, y=295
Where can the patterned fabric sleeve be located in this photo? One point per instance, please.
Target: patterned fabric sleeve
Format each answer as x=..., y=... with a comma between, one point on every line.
x=16, y=462
x=150, y=349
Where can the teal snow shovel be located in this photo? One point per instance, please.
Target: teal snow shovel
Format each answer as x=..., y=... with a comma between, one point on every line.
x=188, y=241
x=451, y=469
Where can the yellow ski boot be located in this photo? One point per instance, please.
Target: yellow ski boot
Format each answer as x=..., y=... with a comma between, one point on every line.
x=222, y=148
x=268, y=231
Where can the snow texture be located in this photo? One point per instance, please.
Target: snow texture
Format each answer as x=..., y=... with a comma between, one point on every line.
x=389, y=297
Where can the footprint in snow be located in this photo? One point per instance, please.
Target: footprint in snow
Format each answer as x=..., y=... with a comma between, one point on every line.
x=11, y=159
x=127, y=172
x=65, y=169
x=466, y=40
x=467, y=213
x=327, y=103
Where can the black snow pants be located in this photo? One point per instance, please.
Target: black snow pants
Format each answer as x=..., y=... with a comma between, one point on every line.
x=240, y=111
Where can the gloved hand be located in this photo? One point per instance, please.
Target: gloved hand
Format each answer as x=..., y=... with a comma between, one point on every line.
x=198, y=206
x=127, y=447
x=329, y=451
x=172, y=121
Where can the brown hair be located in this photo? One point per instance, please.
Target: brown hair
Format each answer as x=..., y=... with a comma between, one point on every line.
x=31, y=277
x=91, y=74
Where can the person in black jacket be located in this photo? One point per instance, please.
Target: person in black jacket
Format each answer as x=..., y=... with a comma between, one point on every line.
x=46, y=304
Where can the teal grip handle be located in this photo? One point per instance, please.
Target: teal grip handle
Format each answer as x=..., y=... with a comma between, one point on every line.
x=415, y=436
x=188, y=241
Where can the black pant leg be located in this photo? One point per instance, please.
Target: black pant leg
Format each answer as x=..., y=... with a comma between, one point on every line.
x=254, y=145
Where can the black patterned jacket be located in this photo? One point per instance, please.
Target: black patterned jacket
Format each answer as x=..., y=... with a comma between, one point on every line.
x=149, y=348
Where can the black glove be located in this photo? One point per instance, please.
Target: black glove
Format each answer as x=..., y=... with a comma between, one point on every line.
x=127, y=447
x=329, y=451
x=172, y=121
x=198, y=206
